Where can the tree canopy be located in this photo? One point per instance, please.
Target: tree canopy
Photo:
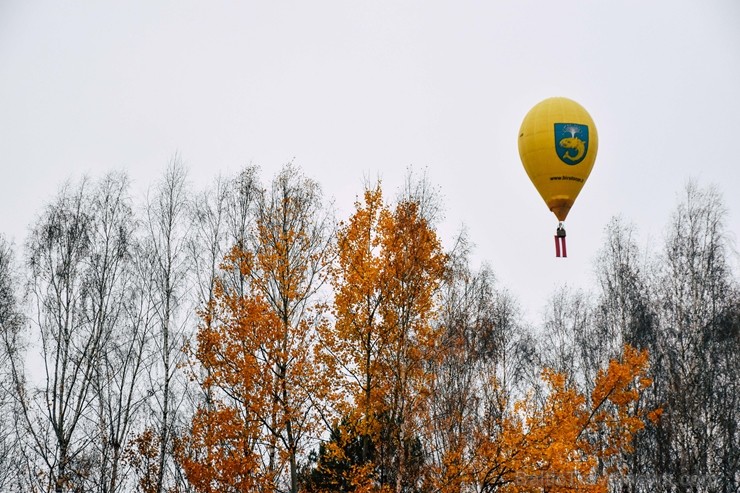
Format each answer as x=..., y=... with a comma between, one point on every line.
x=241, y=338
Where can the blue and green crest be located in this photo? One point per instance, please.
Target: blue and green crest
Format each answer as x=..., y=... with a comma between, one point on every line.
x=571, y=142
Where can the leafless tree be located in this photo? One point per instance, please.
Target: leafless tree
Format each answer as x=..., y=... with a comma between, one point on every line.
x=11, y=352
x=697, y=364
x=165, y=250
x=566, y=338
x=625, y=313
x=221, y=217
x=207, y=241
x=242, y=192
x=114, y=304
x=486, y=357
x=419, y=189
x=56, y=413
x=77, y=419
x=241, y=210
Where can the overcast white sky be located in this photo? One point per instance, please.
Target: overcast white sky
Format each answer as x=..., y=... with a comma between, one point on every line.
x=364, y=89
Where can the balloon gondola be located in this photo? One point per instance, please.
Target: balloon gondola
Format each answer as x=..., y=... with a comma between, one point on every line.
x=557, y=145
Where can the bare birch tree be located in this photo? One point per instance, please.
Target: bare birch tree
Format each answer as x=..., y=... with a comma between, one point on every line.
x=567, y=335
x=114, y=304
x=625, y=313
x=485, y=356
x=241, y=205
x=698, y=343
x=11, y=353
x=207, y=242
x=55, y=414
x=165, y=247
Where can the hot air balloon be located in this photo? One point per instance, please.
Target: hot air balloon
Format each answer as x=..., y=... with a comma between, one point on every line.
x=557, y=146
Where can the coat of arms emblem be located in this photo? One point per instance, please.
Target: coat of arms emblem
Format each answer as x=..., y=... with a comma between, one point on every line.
x=571, y=142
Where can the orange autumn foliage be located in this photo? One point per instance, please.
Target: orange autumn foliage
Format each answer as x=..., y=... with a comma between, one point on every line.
x=219, y=453
x=142, y=455
x=225, y=444
x=255, y=349
x=265, y=371
x=569, y=442
x=257, y=384
x=388, y=269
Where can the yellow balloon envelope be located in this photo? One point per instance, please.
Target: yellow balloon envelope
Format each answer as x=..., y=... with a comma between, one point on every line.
x=557, y=145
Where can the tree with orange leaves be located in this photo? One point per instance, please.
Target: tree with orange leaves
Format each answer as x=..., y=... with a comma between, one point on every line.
x=255, y=346
x=225, y=449
x=389, y=266
x=568, y=442
x=262, y=373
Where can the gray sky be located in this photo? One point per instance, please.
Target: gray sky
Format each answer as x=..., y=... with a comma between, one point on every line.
x=350, y=90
